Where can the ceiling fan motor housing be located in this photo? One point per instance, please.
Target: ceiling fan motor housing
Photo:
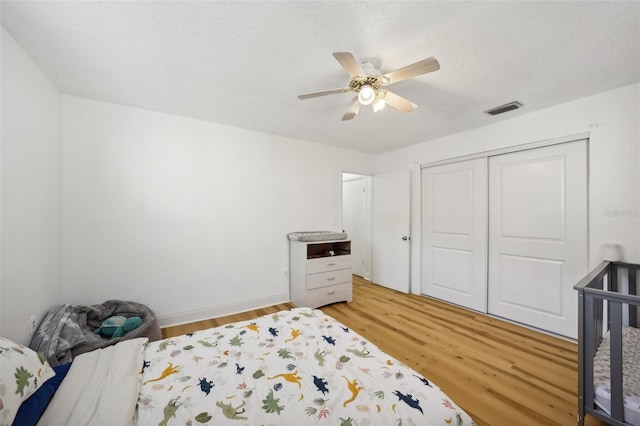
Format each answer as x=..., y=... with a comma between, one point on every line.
x=356, y=83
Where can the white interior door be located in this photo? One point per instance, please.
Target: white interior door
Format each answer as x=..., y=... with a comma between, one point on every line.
x=538, y=235
x=353, y=219
x=454, y=233
x=391, y=230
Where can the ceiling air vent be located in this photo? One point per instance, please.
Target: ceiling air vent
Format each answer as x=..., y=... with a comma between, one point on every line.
x=504, y=108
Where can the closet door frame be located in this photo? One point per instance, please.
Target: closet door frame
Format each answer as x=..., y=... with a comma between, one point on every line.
x=486, y=154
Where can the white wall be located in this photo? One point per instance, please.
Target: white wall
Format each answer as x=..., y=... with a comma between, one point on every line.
x=191, y=217
x=30, y=192
x=612, y=119
x=188, y=217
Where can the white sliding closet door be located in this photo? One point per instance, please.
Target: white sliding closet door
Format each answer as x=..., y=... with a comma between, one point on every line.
x=538, y=235
x=454, y=233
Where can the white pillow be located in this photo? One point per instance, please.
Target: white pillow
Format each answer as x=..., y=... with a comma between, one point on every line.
x=22, y=372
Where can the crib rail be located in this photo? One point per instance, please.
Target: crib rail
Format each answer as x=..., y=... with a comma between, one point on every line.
x=598, y=289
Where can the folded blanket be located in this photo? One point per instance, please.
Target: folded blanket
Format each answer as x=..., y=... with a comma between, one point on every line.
x=57, y=334
x=101, y=388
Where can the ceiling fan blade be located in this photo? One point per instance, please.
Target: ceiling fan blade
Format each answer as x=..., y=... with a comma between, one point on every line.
x=399, y=102
x=349, y=63
x=324, y=93
x=410, y=71
x=352, y=110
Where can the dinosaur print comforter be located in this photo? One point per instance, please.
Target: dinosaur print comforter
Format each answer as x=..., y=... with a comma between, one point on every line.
x=294, y=367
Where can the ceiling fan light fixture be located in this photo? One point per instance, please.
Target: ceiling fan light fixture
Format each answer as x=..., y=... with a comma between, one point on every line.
x=366, y=95
x=378, y=104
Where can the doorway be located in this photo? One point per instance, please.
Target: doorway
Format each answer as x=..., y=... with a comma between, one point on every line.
x=376, y=216
x=356, y=220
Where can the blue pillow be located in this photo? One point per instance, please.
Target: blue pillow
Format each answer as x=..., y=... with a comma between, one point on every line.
x=31, y=409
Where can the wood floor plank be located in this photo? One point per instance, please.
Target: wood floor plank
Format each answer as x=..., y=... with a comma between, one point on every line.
x=497, y=371
x=177, y=330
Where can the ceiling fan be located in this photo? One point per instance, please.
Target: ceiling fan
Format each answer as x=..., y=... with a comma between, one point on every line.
x=369, y=83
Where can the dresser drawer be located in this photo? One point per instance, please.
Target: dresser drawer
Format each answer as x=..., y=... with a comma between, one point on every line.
x=326, y=295
x=323, y=264
x=323, y=279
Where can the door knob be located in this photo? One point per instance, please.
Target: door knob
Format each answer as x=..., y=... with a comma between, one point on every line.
x=405, y=238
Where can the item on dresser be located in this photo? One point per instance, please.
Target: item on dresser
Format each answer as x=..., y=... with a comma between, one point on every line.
x=317, y=236
x=321, y=271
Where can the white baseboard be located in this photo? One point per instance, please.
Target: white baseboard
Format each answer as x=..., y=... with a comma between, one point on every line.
x=220, y=311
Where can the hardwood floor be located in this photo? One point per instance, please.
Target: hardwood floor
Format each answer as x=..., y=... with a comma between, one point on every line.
x=498, y=372
x=215, y=322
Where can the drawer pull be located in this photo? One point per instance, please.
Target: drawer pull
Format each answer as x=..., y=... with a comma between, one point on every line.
x=331, y=264
x=331, y=278
x=331, y=292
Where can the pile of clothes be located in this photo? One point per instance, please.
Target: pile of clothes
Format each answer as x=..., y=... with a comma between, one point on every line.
x=67, y=331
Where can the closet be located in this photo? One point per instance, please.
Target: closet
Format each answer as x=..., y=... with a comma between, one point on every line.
x=506, y=233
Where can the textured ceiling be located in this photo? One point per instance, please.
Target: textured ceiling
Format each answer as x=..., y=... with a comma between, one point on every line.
x=244, y=63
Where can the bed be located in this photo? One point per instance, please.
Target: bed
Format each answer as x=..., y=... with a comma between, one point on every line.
x=609, y=344
x=297, y=366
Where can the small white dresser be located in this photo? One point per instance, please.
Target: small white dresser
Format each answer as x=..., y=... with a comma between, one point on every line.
x=320, y=272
